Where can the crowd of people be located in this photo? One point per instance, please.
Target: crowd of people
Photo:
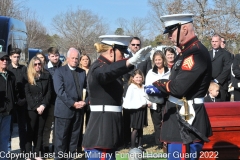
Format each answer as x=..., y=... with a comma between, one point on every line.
x=46, y=94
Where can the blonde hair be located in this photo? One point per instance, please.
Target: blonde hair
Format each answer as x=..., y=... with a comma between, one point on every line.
x=213, y=85
x=31, y=73
x=100, y=47
x=135, y=72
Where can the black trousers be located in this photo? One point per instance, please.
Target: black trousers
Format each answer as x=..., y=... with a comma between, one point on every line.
x=21, y=112
x=224, y=95
x=67, y=134
x=35, y=126
x=126, y=126
x=157, y=122
x=87, y=112
x=236, y=94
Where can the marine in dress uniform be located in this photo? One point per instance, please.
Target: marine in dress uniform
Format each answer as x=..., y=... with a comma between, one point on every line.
x=104, y=132
x=190, y=78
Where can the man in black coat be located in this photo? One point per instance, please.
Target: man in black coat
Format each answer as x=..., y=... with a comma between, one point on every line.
x=221, y=65
x=53, y=63
x=7, y=102
x=20, y=72
x=69, y=81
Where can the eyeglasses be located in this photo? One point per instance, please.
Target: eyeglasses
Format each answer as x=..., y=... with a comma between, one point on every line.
x=224, y=42
x=4, y=58
x=135, y=44
x=35, y=64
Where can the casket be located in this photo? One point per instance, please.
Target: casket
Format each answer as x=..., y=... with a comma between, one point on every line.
x=225, y=122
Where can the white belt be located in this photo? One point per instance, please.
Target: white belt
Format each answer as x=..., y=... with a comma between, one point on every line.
x=190, y=105
x=106, y=108
x=180, y=102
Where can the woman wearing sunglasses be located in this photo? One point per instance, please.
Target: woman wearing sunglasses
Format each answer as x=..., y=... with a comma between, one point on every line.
x=38, y=95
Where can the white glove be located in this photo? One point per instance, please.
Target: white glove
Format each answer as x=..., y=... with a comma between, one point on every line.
x=140, y=55
x=216, y=81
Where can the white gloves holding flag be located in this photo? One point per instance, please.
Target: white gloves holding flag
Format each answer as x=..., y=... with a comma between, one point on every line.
x=141, y=55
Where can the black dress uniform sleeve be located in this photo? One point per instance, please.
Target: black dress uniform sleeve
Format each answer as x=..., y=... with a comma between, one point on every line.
x=108, y=73
x=105, y=85
x=189, y=69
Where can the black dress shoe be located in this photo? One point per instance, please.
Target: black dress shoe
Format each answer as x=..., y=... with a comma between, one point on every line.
x=126, y=146
x=46, y=149
x=52, y=148
x=22, y=150
x=141, y=148
x=159, y=147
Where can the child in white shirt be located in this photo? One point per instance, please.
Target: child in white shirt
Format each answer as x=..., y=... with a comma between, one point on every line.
x=137, y=104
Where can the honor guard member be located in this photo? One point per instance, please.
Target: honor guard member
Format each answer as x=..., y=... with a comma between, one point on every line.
x=186, y=124
x=104, y=132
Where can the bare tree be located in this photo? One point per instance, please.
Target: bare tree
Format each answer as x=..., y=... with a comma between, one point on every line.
x=164, y=7
x=119, y=31
x=79, y=29
x=12, y=8
x=37, y=33
x=134, y=27
x=216, y=16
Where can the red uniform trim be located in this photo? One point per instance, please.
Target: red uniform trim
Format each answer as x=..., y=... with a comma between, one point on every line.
x=184, y=49
x=184, y=150
x=104, y=151
x=167, y=86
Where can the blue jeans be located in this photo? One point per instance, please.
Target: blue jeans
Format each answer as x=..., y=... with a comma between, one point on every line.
x=5, y=123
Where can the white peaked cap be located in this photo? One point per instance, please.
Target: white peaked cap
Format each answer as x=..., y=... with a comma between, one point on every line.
x=173, y=19
x=116, y=39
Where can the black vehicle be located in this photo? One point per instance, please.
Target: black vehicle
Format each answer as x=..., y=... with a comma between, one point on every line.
x=33, y=52
x=13, y=34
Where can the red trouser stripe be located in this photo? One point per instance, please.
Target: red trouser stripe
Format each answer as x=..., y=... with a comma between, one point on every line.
x=103, y=153
x=184, y=150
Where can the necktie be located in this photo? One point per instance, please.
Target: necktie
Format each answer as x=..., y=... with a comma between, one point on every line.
x=214, y=52
x=213, y=99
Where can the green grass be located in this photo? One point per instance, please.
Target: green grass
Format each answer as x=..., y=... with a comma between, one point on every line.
x=146, y=156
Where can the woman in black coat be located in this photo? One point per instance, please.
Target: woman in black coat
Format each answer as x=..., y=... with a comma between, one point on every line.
x=38, y=95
